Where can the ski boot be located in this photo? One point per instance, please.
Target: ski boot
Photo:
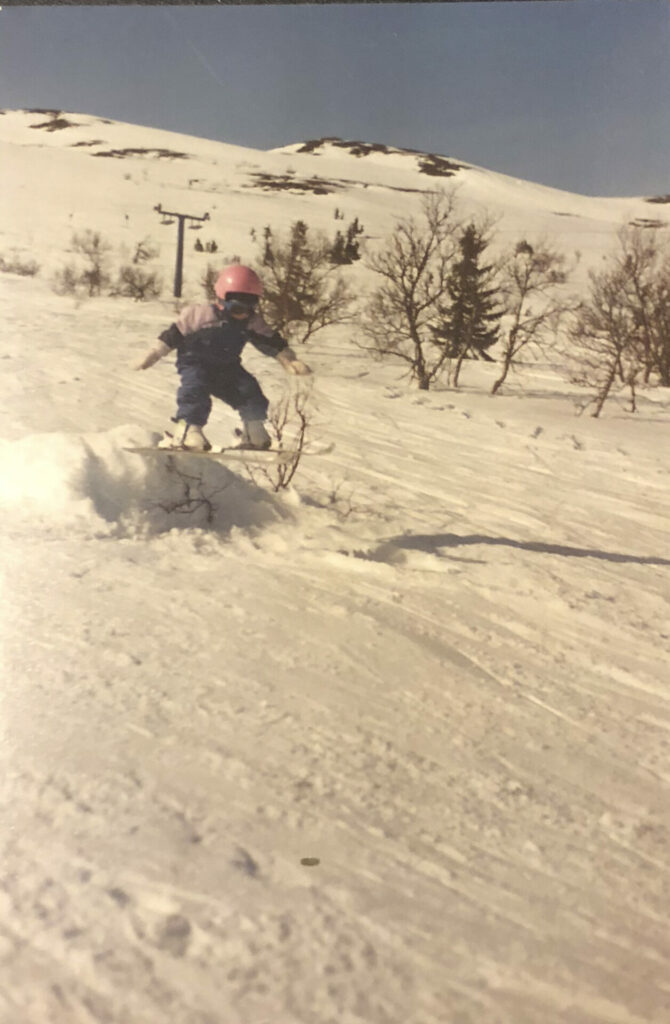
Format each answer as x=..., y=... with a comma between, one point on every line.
x=188, y=436
x=254, y=435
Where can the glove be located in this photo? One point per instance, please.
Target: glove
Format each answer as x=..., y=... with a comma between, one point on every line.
x=291, y=364
x=152, y=356
x=299, y=368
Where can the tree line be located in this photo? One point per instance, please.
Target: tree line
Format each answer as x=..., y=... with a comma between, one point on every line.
x=444, y=293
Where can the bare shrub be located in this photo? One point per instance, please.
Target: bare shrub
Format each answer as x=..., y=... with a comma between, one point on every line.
x=95, y=250
x=145, y=251
x=66, y=280
x=339, y=497
x=288, y=423
x=138, y=284
x=208, y=280
x=16, y=264
x=195, y=497
x=89, y=275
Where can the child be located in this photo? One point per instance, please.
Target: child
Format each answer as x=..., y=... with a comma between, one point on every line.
x=209, y=339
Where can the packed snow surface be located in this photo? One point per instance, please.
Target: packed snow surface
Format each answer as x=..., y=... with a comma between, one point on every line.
x=389, y=747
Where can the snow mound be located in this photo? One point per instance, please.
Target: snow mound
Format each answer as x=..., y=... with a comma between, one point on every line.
x=92, y=483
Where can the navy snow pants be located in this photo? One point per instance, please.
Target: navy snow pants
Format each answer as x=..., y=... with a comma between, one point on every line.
x=230, y=382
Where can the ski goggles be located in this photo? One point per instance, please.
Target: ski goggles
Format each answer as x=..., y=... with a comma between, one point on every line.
x=240, y=304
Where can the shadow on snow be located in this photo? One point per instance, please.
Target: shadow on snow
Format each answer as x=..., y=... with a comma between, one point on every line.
x=431, y=543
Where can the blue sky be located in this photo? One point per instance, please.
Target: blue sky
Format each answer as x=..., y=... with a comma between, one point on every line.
x=574, y=94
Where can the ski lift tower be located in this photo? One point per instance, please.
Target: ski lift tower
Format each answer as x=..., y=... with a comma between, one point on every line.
x=180, y=217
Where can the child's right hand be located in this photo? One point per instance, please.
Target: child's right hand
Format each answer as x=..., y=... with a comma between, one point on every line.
x=297, y=367
x=152, y=356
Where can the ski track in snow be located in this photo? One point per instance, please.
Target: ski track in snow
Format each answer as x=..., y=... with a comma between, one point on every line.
x=438, y=667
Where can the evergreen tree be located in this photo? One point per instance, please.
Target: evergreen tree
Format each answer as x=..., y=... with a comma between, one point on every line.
x=352, y=248
x=337, y=254
x=302, y=292
x=470, y=322
x=346, y=250
x=267, y=258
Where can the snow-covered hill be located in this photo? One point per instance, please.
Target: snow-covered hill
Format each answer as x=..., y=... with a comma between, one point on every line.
x=392, y=747
x=64, y=172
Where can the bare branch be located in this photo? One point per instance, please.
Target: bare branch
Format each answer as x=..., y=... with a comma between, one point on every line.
x=289, y=421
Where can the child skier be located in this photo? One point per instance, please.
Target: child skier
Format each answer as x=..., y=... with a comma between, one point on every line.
x=209, y=339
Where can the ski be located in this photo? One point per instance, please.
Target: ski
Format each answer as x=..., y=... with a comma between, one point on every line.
x=231, y=453
x=222, y=454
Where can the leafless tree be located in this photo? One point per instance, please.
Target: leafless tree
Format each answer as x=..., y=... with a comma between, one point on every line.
x=602, y=337
x=660, y=349
x=620, y=335
x=414, y=265
x=643, y=265
x=533, y=299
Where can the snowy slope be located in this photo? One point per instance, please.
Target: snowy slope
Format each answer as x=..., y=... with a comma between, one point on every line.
x=389, y=748
x=89, y=172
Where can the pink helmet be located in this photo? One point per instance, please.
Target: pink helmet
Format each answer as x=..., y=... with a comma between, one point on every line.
x=238, y=279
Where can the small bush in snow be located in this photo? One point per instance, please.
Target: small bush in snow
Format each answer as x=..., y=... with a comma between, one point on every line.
x=15, y=264
x=138, y=284
x=208, y=280
x=193, y=497
x=66, y=280
x=145, y=251
x=89, y=275
x=90, y=245
x=289, y=421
